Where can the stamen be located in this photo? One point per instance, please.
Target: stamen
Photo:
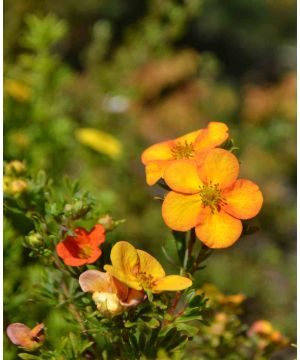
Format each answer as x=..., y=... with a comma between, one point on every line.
x=146, y=280
x=211, y=196
x=183, y=151
x=85, y=252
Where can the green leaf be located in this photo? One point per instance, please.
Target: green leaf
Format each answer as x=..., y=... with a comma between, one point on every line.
x=153, y=323
x=26, y=356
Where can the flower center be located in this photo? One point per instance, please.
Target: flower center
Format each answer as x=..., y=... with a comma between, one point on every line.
x=145, y=280
x=183, y=150
x=85, y=252
x=211, y=196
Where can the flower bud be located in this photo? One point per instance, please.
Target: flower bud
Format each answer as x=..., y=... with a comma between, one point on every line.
x=15, y=167
x=34, y=240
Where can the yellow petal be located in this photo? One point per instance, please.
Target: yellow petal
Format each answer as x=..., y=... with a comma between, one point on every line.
x=172, y=283
x=125, y=264
x=154, y=171
x=215, y=134
x=94, y=280
x=100, y=141
x=159, y=151
x=190, y=137
x=182, y=176
x=149, y=265
x=219, y=229
x=181, y=212
x=219, y=167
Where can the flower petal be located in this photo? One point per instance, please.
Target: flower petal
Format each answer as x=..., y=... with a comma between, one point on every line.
x=159, y=151
x=97, y=235
x=219, y=167
x=67, y=250
x=219, y=229
x=244, y=200
x=180, y=212
x=190, y=137
x=125, y=262
x=154, y=171
x=135, y=297
x=215, y=134
x=94, y=280
x=149, y=265
x=172, y=283
x=96, y=253
x=130, y=281
x=19, y=334
x=182, y=176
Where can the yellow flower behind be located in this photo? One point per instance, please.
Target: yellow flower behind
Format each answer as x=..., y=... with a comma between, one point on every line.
x=141, y=271
x=100, y=141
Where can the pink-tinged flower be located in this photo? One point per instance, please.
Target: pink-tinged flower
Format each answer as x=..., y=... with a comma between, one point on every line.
x=83, y=248
x=110, y=295
x=29, y=339
x=192, y=146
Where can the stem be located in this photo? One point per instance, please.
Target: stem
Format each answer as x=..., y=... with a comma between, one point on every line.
x=204, y=253
x=191, y=241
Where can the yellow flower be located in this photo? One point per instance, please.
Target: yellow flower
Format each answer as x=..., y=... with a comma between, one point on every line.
x=17, y=90
x=110, y=295
x=100, y=141
x=139, y=270
x=13, y=186
x=15, y=167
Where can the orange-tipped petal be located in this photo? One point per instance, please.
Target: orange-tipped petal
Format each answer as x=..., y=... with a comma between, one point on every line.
x=159, y=151
x=172, y=283
x=182, y=176
x=219, y=167
x=121, y=289
x=181, y=212
x=97, y=235
x=219, y=229
x=190, y=137
x=94, y=280
x=215, y=134
x=149, y=265
x=154, y=171
x=244, y=200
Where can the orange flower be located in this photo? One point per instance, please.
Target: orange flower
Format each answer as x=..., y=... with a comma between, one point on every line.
x=83, y=248
x=210, y=198
x=192, y=146
x=29, y=339
x=267, y=334
x=110, y=295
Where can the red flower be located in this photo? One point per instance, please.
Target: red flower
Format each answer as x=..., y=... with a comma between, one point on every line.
x=83, y=248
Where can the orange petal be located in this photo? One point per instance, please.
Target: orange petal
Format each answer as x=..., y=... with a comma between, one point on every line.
x=182, y=176
x=172, y=283
x=218, y=230
x=97, y=235
x=219, y=167
x=215, y=134
x=134, y=298
x=244, y=200
x=94, y=280
x=180, y=212
x=149, y=265
x=190, y=137
x=154, y=171
x=159, y=151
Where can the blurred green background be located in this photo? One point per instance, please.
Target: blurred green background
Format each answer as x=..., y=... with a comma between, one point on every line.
x=146, y=71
